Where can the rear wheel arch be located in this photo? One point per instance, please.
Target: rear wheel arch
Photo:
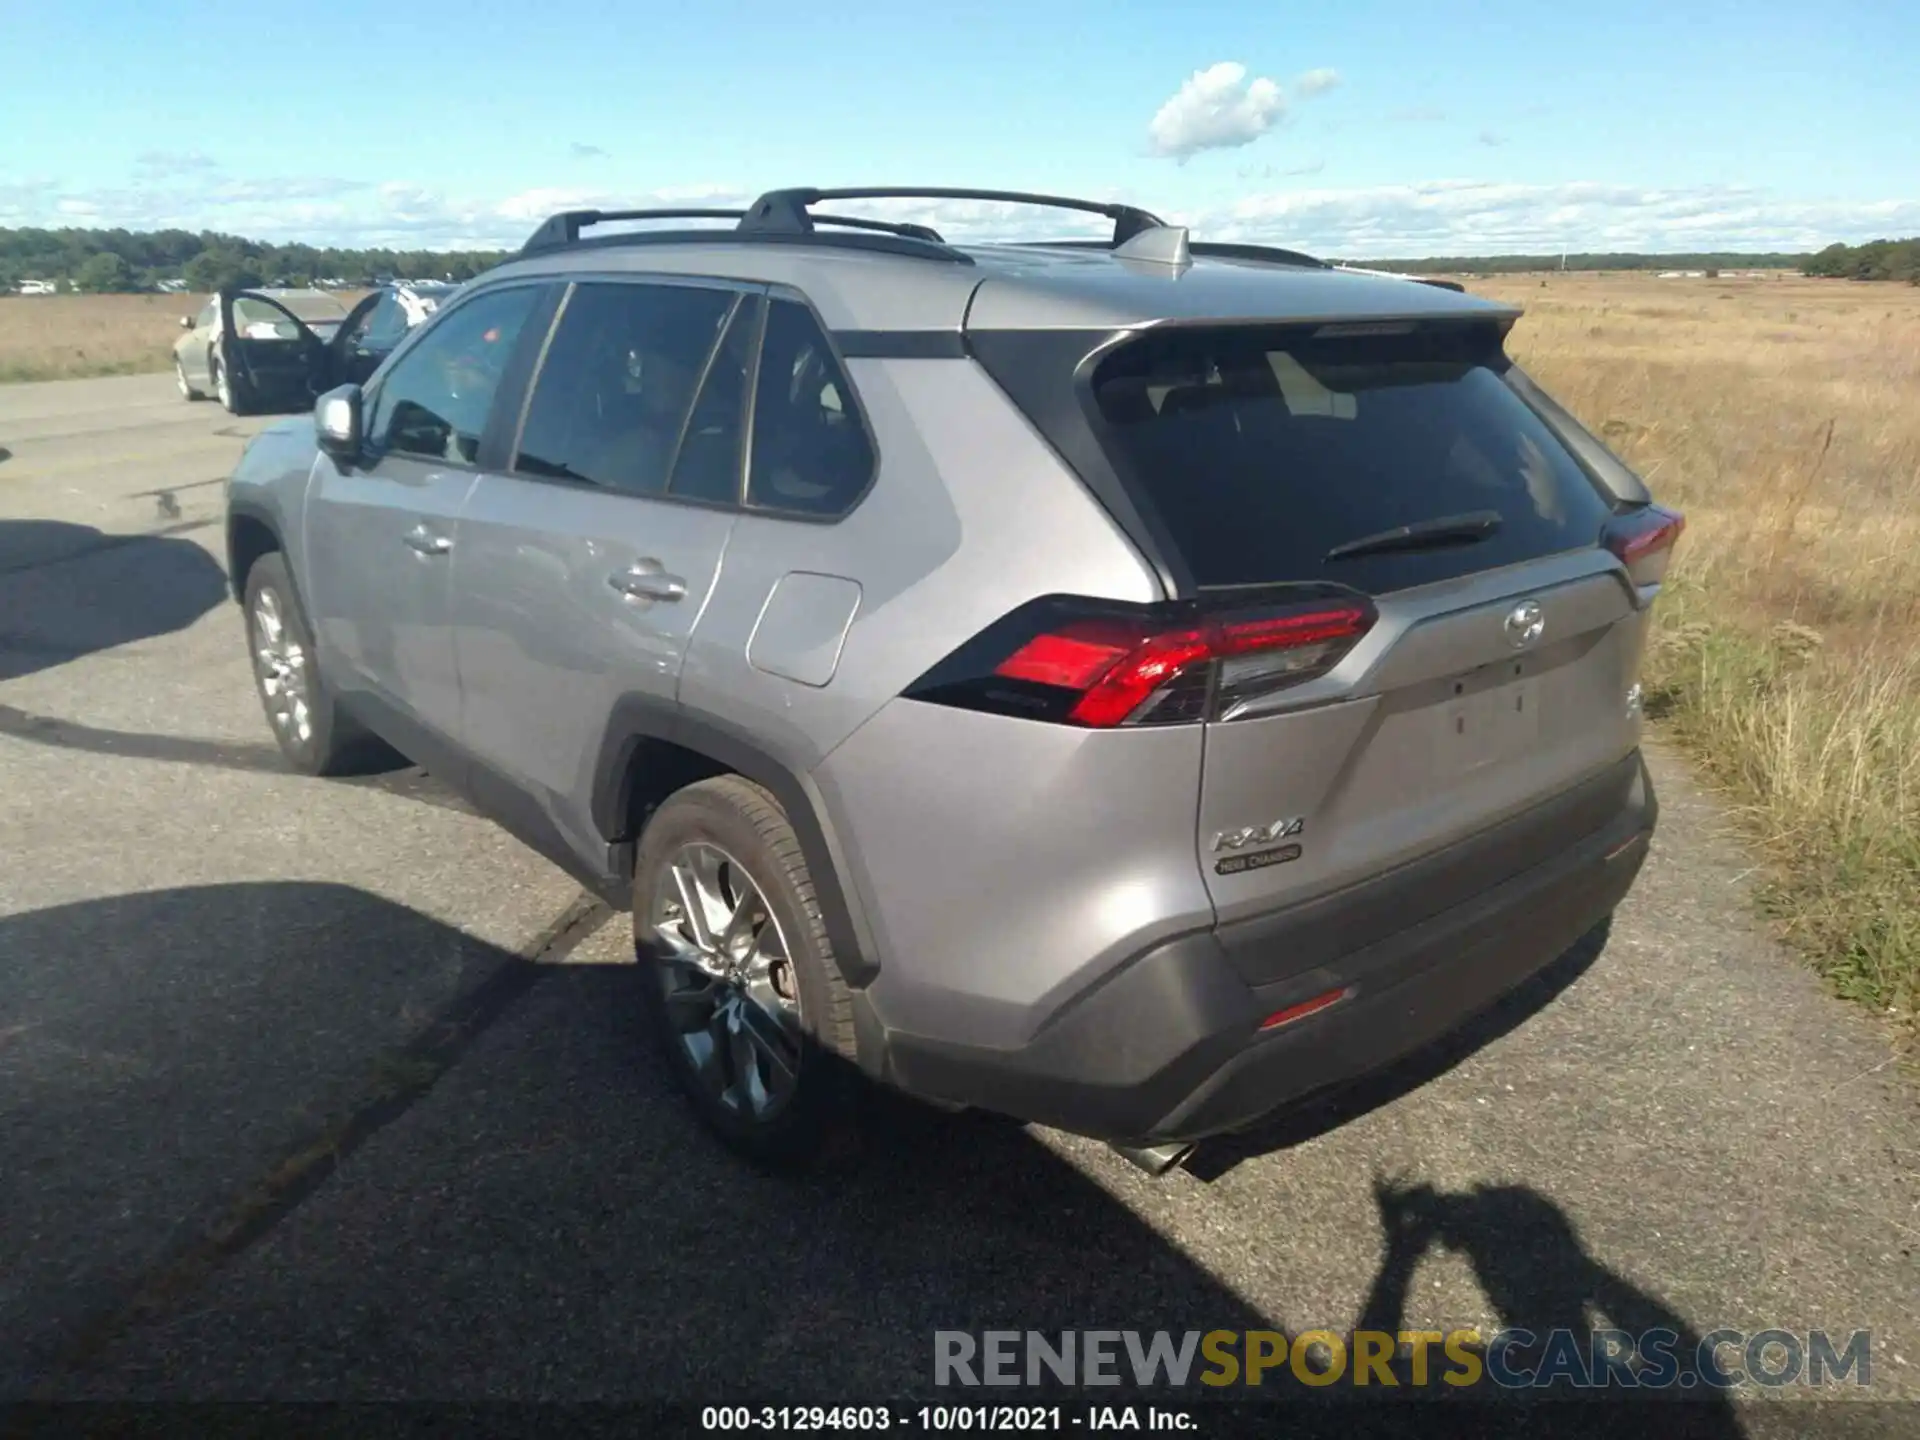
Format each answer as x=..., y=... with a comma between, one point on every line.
x=650, y=751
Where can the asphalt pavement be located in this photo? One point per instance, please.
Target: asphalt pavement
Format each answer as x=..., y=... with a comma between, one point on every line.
x=331, y=1090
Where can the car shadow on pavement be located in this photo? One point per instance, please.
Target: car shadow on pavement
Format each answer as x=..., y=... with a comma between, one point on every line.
x=296, y=1141
x=1317, y=1114
x=387, y=771
x=70, y=590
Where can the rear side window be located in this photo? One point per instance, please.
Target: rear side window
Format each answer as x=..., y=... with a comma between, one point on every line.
x=811, y=454
x=618, y=388
x=1264, y=451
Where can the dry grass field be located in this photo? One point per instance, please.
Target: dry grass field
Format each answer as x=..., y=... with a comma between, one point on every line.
x=1783, y=415
x=62, y=337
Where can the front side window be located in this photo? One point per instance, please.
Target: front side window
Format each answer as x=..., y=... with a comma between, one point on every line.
x=616, y=394
x=387, y=325
x=434, y=402
x=811, y=454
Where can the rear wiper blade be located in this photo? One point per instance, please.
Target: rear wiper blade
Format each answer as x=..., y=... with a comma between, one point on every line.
x=1464, y=529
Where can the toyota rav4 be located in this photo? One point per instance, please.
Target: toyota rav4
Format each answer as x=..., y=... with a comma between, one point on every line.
x=1122, y=684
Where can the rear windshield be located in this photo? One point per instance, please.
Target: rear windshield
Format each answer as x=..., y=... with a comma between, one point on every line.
x=1263, y=451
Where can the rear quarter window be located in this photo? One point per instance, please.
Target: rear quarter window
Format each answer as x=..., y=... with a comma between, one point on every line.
x=1263, y=450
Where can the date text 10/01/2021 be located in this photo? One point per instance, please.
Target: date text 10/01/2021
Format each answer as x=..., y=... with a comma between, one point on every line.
x=941, y=1419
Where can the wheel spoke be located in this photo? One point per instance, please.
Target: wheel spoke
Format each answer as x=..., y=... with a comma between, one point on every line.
x=692, y=907
x=716, y=945
x=749, y=911
x=772, y=1044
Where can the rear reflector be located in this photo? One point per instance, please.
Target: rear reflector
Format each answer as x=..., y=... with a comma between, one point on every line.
x=1304, y=1009
x=1102, y=664
x=1644, y=540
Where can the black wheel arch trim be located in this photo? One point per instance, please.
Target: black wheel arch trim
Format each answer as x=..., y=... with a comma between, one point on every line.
x=637, y=718
x=261, y=515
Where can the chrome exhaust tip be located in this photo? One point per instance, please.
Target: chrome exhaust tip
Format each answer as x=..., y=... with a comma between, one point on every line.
x=1156, y=1160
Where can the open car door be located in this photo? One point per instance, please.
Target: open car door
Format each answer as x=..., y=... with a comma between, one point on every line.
x=274, y=358
x=365, y=338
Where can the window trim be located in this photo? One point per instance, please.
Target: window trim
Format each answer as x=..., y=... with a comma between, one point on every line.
x=372, y=455
x=856, y=406
x=568, y=284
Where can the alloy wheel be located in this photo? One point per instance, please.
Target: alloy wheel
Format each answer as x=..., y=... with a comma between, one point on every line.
x=281, y=667
x=732, y=996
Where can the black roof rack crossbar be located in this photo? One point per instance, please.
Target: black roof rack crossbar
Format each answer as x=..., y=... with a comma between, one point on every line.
x=559, y=231
x=787, y=210
x=564, y=229
x=885, y=227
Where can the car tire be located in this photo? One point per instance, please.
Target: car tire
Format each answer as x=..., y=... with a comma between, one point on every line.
x=187, y=392
x=723, y=845
x=231, y=390
x=313, y=735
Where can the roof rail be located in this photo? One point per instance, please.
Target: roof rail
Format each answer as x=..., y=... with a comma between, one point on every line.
x=561, y=230
x=786, y=211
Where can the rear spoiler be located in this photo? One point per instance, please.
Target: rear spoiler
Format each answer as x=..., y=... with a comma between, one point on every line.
x=1432, y=280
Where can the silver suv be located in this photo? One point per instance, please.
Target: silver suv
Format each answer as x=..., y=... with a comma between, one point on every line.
x=1125, y=685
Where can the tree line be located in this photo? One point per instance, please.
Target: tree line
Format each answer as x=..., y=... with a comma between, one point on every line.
x=103, y=261
x=1875, y=260
x=1586, y=260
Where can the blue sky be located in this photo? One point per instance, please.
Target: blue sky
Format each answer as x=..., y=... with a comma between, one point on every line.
x=1357, y=127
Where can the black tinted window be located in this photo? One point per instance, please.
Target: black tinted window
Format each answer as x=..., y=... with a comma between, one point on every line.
x=618, y=383
x=811, y=454
x=434, y=402
x=1263, y=451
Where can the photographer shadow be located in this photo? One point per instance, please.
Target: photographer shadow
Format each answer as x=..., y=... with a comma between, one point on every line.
x=1539, y=1278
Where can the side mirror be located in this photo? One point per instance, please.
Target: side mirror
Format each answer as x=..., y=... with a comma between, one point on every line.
x=186, y=322
x=336, y=422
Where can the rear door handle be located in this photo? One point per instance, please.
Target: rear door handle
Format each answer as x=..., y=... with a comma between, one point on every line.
x=648, y=580
x=426, y=542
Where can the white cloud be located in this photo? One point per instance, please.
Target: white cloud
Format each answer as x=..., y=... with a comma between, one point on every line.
x=1468, y=217
x=581, y=151
x=1491, y=137
x=1315, y=82
x=1280, y=172
x=1440, y=217
x=173, y=162
x=1217, y=108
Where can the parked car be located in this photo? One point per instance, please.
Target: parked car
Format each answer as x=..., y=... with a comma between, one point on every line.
x=261, y=349
x=256, y=349
x=1125, y=685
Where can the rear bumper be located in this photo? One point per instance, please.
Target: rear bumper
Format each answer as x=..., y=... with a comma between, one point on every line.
x=1169, y=1047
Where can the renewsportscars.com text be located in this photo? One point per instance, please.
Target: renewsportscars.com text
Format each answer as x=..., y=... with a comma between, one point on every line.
x=1511, y=1359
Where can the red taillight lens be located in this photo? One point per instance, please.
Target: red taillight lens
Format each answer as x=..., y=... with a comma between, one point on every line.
x=1127, y=670
x=1644, y=541
x=1305, y=1008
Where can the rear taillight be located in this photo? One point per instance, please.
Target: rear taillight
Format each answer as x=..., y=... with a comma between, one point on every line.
x=1102, y=665
x=1644, y=540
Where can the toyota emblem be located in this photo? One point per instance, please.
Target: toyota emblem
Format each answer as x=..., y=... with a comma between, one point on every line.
x=1525, y=623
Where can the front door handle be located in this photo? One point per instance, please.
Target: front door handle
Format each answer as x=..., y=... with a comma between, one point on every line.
x=648, y=580
x=426, y=542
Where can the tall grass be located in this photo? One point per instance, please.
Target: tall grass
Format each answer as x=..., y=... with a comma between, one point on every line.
x=64, y=337
x=1784, y=417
